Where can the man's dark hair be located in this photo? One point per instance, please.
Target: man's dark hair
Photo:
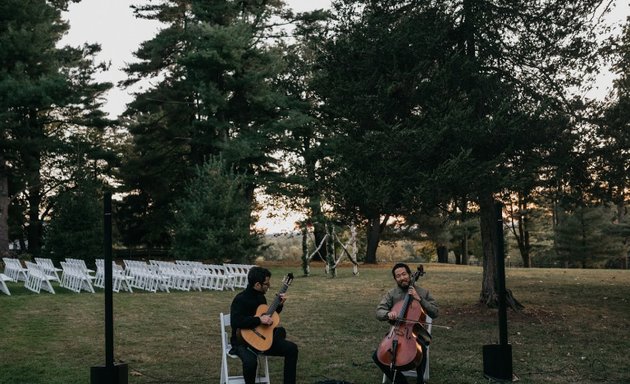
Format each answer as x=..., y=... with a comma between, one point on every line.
x=400, y=265
x=257, y=275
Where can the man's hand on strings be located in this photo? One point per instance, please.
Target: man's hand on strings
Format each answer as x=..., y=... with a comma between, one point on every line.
x=412, y=291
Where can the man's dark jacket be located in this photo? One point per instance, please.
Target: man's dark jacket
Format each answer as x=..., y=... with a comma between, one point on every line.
x=243, y=311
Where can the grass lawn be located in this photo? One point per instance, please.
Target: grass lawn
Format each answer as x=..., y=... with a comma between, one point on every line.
x=574, y=328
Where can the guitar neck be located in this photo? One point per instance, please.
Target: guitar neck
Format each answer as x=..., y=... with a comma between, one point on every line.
x=276, y=301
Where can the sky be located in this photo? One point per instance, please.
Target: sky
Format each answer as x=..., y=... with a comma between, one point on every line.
x=112, y=24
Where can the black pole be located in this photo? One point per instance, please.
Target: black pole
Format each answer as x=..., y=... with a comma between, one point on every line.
x=503, y=338
x=497, y=359
x=111, y=373
x=109, y=303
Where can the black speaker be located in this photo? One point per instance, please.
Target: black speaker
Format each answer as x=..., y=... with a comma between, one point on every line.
x=119, y=375
x=497, y=362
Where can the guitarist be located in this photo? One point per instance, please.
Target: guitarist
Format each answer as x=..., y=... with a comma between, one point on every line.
x=243, y=316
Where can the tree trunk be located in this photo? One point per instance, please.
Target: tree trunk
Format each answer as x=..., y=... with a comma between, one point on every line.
x=33, y=159
x=305, y=254
x=621, y=215
x=315, y=203
x=464, y=242
x=442, y=253
x=621, y=208
x=523, y=244
x=4, y=209
x=464, y=245
x=374, y=230
x=330, y=244
x=522, y=236
x=489, y=237
x=34, y=229
x=488, y=293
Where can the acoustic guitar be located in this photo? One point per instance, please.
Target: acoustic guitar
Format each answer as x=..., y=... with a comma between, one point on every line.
x=261, y=337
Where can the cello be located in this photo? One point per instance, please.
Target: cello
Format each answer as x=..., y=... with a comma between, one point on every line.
x=399, y=348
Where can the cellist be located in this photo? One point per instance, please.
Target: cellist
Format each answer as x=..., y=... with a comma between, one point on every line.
x=385, y=312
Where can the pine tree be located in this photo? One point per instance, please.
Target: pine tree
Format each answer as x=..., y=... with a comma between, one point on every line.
x=583, y=238
x=49, y=111
x=212, y=218
x=300, y=183
x=612, y=149
x=496, y=102
x=375, y=79
x=213, y=66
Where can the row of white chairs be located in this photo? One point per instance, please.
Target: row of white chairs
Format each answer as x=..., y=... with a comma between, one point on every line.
x=185, y=275
x=145, y=276
x=215, y=276
x=182, y=277
x=225, y=276
x=35, y=277
x=39, y=275
x=152, y=276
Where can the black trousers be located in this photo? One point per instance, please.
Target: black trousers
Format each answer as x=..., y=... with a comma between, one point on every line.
x=396, y=376
x=279, y=347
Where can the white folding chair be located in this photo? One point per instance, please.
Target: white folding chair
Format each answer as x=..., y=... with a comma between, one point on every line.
x=238, y=273
x=412, y=372
x=225, y=357
x=229, y=280
x=80, y=264
x=99, y=276
x=14, y=269
x=49, y=268
x=220, y=279
x=3, y=285
x=119, y=279
x=37, y=279
x=75, y=278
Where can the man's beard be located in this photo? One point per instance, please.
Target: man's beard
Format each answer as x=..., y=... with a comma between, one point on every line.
x=403, y=285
